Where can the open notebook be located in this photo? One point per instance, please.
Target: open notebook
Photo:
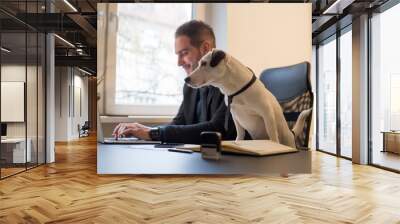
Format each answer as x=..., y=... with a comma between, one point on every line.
x=250, y=147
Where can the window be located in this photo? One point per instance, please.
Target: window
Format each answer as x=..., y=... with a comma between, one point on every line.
x=147, y=79
x=327, y=96
x=335, y=74
x=385, y=83
x=394, y=101
x=346, y=94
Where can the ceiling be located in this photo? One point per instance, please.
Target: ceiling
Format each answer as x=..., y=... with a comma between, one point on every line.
x=76, y=25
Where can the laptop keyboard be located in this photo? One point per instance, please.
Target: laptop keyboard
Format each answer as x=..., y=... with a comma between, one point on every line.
x=130, y=140
x=127, y=139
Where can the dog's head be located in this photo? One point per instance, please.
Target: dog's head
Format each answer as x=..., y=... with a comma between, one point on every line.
x=210, y=68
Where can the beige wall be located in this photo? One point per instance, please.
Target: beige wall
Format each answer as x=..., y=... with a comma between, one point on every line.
x=269, y=35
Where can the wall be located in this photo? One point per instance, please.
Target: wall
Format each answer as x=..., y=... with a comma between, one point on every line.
x=261, y=35
x=62, y=81
x=71, y=102
x=17, y=73
x=34, y=125
x=215, y=14
x=80, y=110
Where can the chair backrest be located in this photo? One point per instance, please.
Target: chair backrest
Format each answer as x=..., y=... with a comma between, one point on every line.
x=292, y=88
x=86, y=125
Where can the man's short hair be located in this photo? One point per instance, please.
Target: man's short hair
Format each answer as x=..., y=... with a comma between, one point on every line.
x=197, y=31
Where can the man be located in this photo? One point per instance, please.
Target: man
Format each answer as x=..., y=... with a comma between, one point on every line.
x=202, y=109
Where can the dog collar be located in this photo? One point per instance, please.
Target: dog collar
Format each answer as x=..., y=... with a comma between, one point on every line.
x=230, y=98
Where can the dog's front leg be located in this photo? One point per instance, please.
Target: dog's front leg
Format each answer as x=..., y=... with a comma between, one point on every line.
x=240, y=131
x=271, y=126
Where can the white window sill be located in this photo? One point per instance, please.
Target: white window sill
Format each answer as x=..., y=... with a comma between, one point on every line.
x=139, y=119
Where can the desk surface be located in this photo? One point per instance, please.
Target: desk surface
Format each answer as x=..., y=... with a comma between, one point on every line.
x=145, y=159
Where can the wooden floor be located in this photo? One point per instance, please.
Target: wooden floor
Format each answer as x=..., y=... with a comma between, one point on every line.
x=10, y=171
x=70, y=191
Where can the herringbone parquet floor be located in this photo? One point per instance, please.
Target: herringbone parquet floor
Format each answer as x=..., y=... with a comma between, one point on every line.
x=70, y=191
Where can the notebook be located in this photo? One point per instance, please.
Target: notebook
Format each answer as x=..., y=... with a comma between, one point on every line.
x=256, y=147
x=249, y=147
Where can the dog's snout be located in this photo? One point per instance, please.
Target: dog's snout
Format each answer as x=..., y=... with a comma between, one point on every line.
x=187, y=79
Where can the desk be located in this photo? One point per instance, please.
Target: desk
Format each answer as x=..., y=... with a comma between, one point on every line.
x=391, y=141
x=13, y=150
x=145, y=159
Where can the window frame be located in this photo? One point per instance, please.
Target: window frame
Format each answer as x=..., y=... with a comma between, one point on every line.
x=334, y=37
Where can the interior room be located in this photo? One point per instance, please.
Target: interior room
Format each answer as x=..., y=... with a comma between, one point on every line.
x=47, y=93
x=72, y=71
x=22, y=99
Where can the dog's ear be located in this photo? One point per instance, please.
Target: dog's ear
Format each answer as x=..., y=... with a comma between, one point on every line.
x=216, y=57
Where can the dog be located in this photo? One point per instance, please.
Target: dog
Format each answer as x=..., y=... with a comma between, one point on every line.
x=252, y=106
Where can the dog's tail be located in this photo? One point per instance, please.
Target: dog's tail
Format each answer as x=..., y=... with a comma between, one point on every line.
x=299, y=126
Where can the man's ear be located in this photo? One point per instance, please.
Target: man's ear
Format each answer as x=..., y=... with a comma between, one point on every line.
x=205, y=47
x=216, y=57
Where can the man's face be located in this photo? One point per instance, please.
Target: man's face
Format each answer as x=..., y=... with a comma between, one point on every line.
x=188, y=55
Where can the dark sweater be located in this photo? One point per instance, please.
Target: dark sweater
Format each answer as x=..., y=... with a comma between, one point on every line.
x=188, y=124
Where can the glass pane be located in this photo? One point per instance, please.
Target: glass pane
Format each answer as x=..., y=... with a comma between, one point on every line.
x=346, y=94
x=146, y=54
x=386, y=88
x=13, y=86
x=31, y=87
x=41, y=98
x=31, y=98
x=327, y=97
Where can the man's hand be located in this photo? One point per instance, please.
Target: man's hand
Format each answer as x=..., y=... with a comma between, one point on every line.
x=132, y=129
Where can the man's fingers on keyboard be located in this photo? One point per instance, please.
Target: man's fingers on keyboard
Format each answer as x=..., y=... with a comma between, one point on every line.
x=116, y=129
x=128, y=131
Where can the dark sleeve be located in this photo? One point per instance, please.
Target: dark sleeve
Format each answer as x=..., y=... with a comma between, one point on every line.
x=190, y=134
x=179, y=119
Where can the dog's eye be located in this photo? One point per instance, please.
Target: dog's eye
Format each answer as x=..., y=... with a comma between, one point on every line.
x=203, y=63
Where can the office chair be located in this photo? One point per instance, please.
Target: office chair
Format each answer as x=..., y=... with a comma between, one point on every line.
x=84, y=130
x=292, y=88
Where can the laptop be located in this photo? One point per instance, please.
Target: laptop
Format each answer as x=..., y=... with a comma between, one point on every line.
x=128, y=140
x=124, y=140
